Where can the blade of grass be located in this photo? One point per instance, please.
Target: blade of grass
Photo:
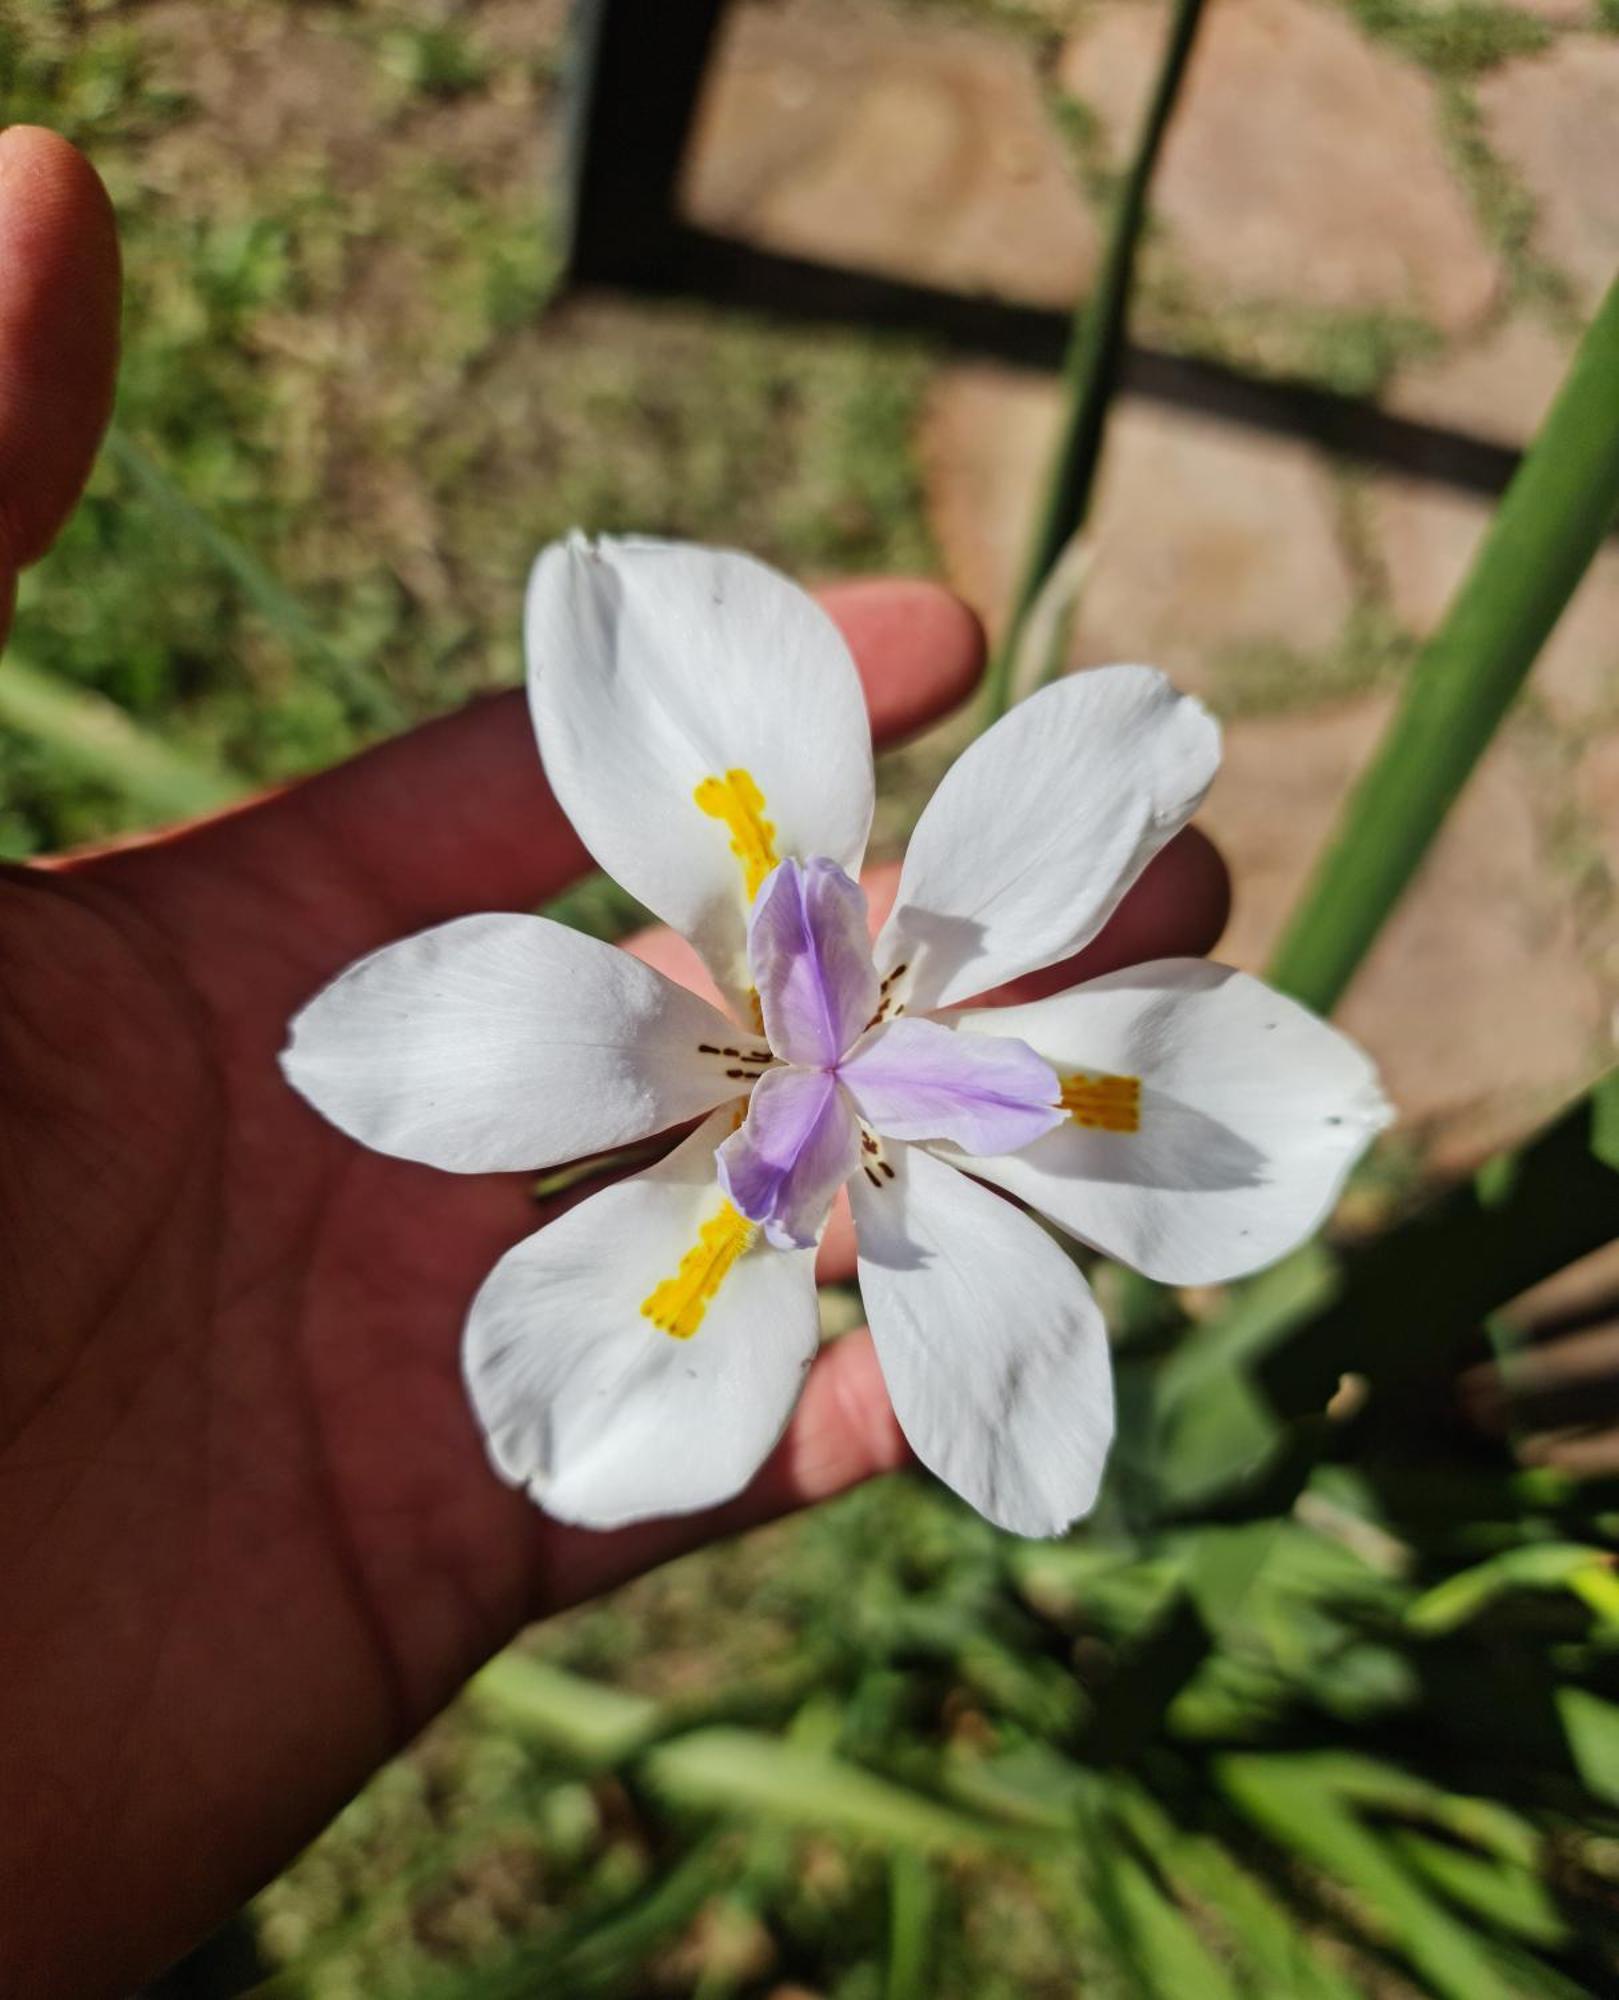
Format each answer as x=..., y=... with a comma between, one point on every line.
x=1092, y=367
x=1506, y=1899
x=587, y=1722
x=279, y=609
x=1549, y=525
x=738, y=1771
x=1297, y=1808
x=101, y=741
x=1279, y=1955
x=1149, y=1937
x=912, y=1912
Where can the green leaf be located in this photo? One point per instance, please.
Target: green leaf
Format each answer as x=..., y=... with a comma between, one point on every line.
x=589, y=1723
x=1591, y=1729
x=1540, y=1566
x=1505, y=1898
x=1293, y=1800
x=1157, y=1947
x=1278, y=1956
x=1549, y=525
x=736, y=1771
x=1169, y=1956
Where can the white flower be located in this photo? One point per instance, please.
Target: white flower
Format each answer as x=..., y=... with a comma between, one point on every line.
x=701, y=723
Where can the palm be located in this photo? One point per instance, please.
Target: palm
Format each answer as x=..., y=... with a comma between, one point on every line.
x=240, y=1485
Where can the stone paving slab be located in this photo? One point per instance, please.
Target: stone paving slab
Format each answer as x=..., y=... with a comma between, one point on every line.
x=921, y=149
x=1208, y=543
x=1304, y=163
x=1205, y=539
x=1554, y=119
x=1498, y=387
x=1427, y=536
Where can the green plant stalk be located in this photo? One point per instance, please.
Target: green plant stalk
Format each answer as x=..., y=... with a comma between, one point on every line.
x=1548, y=527
x=1092, y=366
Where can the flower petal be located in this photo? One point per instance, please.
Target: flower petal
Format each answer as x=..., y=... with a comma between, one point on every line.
x=600, y=1413
x=990, y=1342
x=810, y=952
x=502, y=1043
x=921, y=1080
x=1252, y=1113
x=658, y=672
x=1040, y=827
x=796, y=1148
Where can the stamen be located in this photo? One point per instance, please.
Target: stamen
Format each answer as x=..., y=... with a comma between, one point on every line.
x=676, y=1305
x=873, y=1164
x=738, y=802
x=748, y=1065
x=1104, y=1103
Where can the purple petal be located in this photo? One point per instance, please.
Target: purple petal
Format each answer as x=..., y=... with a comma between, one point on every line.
x=796, y=1148
x=984, y=1093
x=810, y=953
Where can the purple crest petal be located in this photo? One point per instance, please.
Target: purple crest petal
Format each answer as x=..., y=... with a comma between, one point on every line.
x=795, y=1149
x=985, y=1093
x=810, y=952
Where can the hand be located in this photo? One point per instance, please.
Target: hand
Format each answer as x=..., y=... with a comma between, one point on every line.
x=249, y=1540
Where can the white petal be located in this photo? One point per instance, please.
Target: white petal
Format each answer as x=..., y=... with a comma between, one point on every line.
x=654, y=667
x=1252, y=1113
x=604, y=1417
x=1040, y=827
x=505, y=1043
x=991, y=1345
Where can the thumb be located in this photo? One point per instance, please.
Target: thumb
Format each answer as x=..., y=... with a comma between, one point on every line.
x=59, y=289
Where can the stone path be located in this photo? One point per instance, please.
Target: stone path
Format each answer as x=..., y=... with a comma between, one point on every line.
x=1407, y=215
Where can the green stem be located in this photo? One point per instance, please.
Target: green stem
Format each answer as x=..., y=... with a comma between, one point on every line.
x=1091, y=369
x=1548, y=527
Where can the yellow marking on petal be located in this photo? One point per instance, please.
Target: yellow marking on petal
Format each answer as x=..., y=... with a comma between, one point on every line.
x=676, y=1305
x=738, y=802
x=1104, y=1103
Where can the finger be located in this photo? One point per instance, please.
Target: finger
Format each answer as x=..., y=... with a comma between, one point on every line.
x=1177, y=908
x=457, y=816
x=59, y=285
x=844, y=1431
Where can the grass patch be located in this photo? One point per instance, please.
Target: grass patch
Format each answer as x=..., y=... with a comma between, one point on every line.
x=1274, y=679
x=1462, y=40
x=1505, y=209
x=1353, y=353
x=347, y=418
